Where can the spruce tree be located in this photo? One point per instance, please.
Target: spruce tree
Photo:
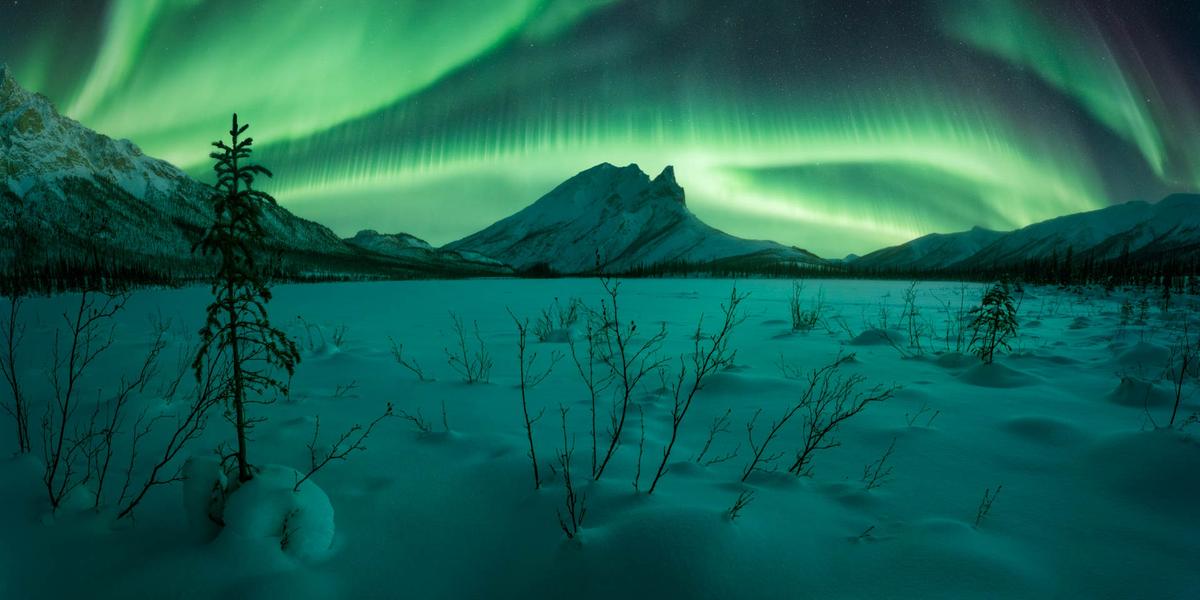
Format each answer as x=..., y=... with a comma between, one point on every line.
x=995, y=321
x=237, y=328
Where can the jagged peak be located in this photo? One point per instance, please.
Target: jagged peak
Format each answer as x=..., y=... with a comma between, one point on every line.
x=665, y=186
x=667, y=176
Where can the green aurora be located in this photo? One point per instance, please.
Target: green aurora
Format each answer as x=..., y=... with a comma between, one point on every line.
x=832, y=129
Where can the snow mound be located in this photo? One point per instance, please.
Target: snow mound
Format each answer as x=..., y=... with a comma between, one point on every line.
x=1136, y=392
x=955, y=360
x=1045, y=430
x=562, y=335
x=876, y=337
x=268, y=507
x=1144, y=355
x=997, y=375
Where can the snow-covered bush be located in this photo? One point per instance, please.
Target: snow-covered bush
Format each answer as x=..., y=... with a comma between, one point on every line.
x=805, y=319
x=555, y=323
x=471, y=361
x=270, y=506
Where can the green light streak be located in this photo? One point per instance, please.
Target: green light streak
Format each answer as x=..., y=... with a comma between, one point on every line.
x=1076, y=60
x=439, y=118
x=919, y=162
x=170, y=72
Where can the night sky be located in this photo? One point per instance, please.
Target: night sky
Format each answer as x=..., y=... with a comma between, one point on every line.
x=839, y=126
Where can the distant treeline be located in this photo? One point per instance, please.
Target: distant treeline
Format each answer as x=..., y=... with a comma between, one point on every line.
x=1177, y=270
x=66, y=274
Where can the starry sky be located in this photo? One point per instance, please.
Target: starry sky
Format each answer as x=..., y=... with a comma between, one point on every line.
x=836, y=125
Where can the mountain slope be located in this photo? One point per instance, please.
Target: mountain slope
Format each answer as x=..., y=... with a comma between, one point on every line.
x=1103, y=234
x=931, y=251
x=406, y=248
x=631, y=220
x=1144, y=230
x=78, y=192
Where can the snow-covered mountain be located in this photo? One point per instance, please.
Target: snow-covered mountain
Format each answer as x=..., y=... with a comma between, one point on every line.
x=78, y=185
x=1142, y=229
x=80, y=191
x=631, y=220
x=931, y=251
x=405, y=247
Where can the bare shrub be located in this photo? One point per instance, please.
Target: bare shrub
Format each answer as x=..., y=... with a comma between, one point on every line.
x=350, y=441
x=339, y=335
x=574, y=503
x=985, y=504
x=12, y=333
x=210, y=390
x=556, y=317
x=912, y=418
x=17, y=240
x=629, y=359
x=878, y=472
x=744, y=498
x=418, y=420
x=473, y=364
x=828, y=400
x=805, y=319
x=88, y=333
x=530, y=376
x=1182, y=363
x=709, y=353
x=104, y=428
x=336, y=338
x=344, y=390
x=408, y=363
x=954, y=334
x=720, y=424
x=596, y=383
x=911, y=317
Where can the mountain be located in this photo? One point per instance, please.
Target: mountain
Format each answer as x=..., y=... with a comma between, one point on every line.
x=1103, y=234
x=931, y=251
x=409, y=248
x=78, y=192
x=1168, y=228
x=631, y=220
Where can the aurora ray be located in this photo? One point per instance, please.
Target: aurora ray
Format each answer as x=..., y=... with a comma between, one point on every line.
x=802, y=122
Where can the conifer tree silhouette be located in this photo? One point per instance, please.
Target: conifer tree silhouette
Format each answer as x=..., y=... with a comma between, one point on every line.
x=237, y=328
x=994, y=322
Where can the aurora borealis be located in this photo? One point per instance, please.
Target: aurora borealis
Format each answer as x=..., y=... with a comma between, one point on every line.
x=838, y=126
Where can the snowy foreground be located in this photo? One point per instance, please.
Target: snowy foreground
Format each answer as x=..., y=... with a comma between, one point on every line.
x=1095, y=502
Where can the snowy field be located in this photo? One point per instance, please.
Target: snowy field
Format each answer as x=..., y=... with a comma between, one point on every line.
x=1093, y=501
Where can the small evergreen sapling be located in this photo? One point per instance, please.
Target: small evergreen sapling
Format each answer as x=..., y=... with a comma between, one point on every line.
x=237, y=328
x=994, y=322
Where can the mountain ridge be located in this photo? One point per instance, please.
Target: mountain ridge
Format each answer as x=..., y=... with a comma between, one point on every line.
x=80, y=193
x=1136, y=228
x=630, y=220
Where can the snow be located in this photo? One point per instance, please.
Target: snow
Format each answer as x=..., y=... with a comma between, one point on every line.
x=299, y=522
x=1095, y=502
